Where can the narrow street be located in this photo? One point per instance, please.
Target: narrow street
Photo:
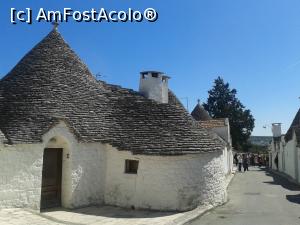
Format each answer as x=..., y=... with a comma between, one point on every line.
x=257, y=197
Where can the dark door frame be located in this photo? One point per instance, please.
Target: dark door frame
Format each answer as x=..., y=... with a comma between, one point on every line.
x=51, y=188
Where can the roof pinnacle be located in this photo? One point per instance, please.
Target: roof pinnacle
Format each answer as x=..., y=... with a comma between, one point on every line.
x=55, y=25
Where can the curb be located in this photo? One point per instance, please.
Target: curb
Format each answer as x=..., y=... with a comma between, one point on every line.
x=191, y=215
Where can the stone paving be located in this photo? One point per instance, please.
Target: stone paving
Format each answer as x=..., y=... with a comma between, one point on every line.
x=22, y=217
x=105, y=215
x=257, y=197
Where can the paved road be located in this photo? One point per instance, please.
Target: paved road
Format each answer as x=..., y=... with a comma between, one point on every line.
x=257, y=197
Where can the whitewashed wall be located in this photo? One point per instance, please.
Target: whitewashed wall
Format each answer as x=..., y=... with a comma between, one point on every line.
x=82, y=176
x=226, y=162
x=154, y=87
x=298, y=166
x=224, y=133
x=20, y=176
x=229, y=162
x=289, y=155
x=94, y=174
x=83, y=172
x=165, y=183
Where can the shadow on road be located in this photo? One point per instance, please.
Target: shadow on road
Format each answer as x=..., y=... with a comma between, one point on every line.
x=279, y=180
x=293, y=198
x=285, y=183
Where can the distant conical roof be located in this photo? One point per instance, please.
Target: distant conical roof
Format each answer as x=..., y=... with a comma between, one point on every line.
x=199, y=113
x=295, y=127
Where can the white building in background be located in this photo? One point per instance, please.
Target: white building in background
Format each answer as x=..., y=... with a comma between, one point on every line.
x=219, y=126
x=276, y=146
x=285, y=149
x=69, y=140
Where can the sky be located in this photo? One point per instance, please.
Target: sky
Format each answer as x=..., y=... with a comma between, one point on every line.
x=254, y=45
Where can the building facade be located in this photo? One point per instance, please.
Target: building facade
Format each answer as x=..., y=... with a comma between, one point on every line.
x=285, y=150
x=67, y=139
x=219, y=126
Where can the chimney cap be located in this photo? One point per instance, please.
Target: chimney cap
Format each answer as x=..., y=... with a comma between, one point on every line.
x=163, y=75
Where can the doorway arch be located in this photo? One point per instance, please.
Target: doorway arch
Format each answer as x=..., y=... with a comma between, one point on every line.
x=56, y=181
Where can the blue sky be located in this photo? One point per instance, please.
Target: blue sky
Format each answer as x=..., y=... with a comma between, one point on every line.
x=254, y=45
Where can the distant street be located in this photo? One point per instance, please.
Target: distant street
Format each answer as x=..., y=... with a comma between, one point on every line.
x=257, y=197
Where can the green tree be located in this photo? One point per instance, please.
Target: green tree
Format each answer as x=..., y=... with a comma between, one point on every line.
x=223, y=103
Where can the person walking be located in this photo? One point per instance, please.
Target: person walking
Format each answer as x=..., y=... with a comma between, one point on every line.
x=259, y=160
x=245, y=163
x=252, y=160
x=256, y=160
x=240, y=161
x=236, y=159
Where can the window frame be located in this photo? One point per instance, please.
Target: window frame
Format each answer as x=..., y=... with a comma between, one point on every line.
x=130, y=165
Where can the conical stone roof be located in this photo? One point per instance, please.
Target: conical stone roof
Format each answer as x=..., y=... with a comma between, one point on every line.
x=51, y=84
x=199, y=113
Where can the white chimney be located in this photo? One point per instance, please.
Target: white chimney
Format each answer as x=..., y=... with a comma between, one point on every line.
x=276, y=129
x=154, y=85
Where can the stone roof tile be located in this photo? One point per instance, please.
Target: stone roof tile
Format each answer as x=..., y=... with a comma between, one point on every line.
x=213, y=123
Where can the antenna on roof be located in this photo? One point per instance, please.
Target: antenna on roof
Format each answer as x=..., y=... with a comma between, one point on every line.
x=187, y=102
x=99, y=76
x=55, y=25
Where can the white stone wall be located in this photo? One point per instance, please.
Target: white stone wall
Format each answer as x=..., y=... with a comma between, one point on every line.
x=225, y=161
x=224, y=133
x=20, y=176
x=165, y=183
x=94, y=174
x=288, y=158
x=298, y=161
x=228, y=161
x=82, y=176
x=83, y=172
x=289, y=151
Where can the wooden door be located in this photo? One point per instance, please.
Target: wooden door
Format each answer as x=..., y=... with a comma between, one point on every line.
x=51, y=179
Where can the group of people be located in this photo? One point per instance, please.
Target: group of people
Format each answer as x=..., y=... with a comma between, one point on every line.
x=249, y=159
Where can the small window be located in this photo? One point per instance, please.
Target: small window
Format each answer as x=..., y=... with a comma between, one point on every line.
x=131, y=166
x=155, y=75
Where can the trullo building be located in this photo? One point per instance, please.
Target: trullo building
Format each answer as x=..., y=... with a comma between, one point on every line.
x=69, y=140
